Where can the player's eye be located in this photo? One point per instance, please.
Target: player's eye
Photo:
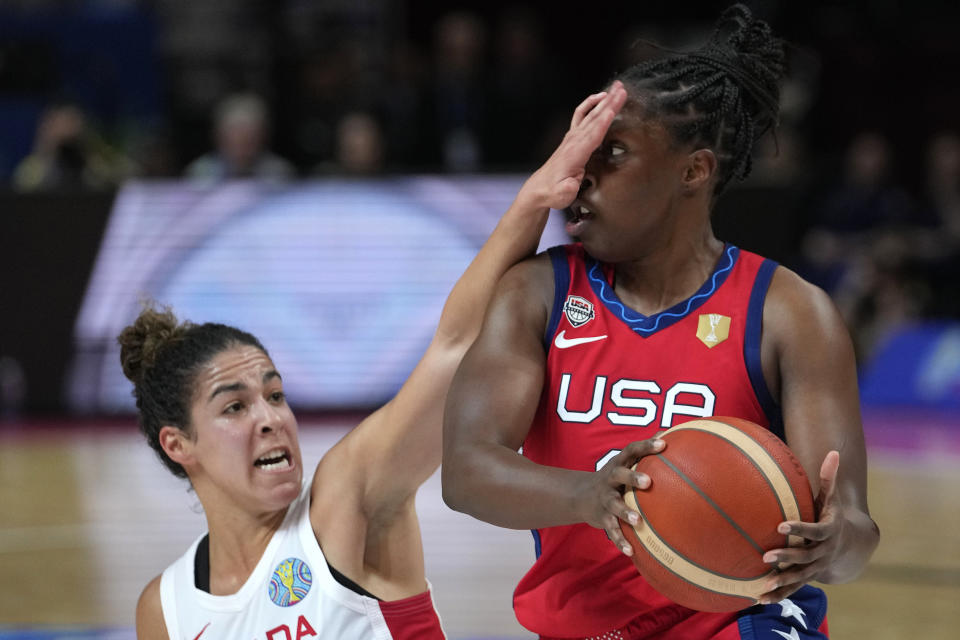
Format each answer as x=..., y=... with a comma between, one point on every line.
x=616, y=150
x=233, y=407
x=277, y=396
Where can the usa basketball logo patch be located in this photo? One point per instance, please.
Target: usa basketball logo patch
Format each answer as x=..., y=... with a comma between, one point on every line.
x=579, y=311
x=290, y=582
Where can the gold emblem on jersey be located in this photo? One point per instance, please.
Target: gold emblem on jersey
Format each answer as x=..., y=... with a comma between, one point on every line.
x=713, y=329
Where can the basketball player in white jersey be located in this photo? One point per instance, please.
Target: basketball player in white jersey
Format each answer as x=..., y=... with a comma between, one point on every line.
x=340, y=555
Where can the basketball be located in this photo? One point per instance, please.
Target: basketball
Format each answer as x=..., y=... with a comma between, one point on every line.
x=718, y=491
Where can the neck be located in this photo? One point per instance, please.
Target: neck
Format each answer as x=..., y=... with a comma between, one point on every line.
x=669, y=274
x=237, y=542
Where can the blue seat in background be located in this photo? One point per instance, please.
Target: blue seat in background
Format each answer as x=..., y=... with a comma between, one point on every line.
x=918, y=365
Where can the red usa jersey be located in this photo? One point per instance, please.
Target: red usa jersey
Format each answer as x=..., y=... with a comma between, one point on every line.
x=614, y=376
x=290, y=595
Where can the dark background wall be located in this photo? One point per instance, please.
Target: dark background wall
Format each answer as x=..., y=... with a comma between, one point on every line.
x=148, y=75
x=48, y=244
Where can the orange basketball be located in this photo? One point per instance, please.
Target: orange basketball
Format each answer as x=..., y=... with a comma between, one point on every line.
x=718, y=491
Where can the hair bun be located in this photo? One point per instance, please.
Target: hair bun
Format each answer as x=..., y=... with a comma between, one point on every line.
x=141, y=341
x=751, y=42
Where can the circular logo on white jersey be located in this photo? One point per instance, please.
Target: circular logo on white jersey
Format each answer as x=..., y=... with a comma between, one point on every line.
x=290, y=582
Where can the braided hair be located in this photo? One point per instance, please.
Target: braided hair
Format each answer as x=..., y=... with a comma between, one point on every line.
x=162, y=357
x=723, y=96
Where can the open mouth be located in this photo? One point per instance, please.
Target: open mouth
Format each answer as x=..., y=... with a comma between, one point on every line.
x=274, y=459
x=577, y=215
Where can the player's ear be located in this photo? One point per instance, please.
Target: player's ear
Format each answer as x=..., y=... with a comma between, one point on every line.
x=699, y=169
x=177, y=444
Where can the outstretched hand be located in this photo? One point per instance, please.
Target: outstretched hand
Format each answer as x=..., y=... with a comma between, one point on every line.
x=557, y=182
x=602, y=494
x=806, y=563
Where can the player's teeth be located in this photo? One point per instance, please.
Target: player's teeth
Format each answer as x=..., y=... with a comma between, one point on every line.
x=276, y=465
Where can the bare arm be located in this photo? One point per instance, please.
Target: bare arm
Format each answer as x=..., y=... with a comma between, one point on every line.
x=150, y=624
x=363, y=492
x=367, y=483
x=495, y=393
x=403, y=436
x=490, y=407
x=808, y=353
x=399, y=443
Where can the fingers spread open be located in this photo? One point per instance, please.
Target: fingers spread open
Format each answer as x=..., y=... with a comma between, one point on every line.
x=584, y=108
x=612, y=527
x=614, y=504
x=636, y=450
x=623, y=476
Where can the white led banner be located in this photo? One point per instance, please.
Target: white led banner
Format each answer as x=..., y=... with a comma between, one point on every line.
x=343, y=281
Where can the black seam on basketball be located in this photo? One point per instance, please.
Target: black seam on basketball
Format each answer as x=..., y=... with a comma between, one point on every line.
x=664, y=542
x=755, y=466
x=684, y=578
x=716, y=507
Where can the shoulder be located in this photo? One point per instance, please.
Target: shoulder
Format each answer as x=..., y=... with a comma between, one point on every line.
x=150, y=623
x=799, y=313
x=521, y=304
x=794, y=296
x=207, y=166
x=532, y=278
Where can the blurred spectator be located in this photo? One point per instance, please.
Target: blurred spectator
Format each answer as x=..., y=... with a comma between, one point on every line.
x=942, y=187
x=936, y=249
x=68, y=154
x=868, y=197
x=241, y=130
x=315, y=101
x=859, y=247
x=13, y=388
x=459, y=93
x=521, y=112
x=782, y=159
x=359, y=144
x=863, y=204
x=404, y=107
x=153, y=154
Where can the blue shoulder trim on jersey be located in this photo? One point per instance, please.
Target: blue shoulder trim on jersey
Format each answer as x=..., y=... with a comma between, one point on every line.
x=645, y=326
x=536, y=542
x=561, y=284
x=796, y=618
x=751, y=346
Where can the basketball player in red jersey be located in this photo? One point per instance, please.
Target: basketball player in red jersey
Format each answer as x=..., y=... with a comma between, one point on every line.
x=589, y=350
x=338, y=555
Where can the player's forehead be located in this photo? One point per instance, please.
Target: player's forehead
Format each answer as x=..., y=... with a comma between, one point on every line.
x=637, y=119
x=243, y=364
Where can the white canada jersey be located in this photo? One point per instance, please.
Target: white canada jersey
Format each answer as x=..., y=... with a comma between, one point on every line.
x=290, y=595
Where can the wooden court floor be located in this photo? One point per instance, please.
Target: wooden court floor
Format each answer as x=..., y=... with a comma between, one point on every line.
x=88, y=516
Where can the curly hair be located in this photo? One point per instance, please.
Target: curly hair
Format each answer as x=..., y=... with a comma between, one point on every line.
x=162, y=358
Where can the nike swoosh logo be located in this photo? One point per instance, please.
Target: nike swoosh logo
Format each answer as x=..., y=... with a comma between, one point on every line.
x=566, y=343
x=201, y=631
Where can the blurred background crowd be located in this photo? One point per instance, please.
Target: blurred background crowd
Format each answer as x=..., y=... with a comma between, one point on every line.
x=859, y=190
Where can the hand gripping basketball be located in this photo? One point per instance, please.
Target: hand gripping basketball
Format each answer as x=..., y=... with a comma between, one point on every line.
x=800, y=565
x=717, y=503
x=602, y=495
